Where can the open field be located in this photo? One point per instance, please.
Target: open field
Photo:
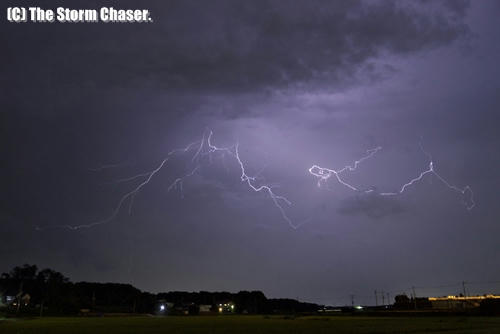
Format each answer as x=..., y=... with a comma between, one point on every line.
x=253, y=324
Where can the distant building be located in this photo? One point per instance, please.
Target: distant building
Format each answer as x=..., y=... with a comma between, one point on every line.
x=459, y=302
x=6, y=300
x=205, y=308
x=163, y=307
x=226, y=307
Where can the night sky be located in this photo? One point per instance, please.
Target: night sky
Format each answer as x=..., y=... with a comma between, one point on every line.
x=295, y=83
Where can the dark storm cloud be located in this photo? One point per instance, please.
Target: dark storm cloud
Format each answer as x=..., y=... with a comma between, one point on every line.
x=295, y=83
x=227, y=45
x=280, y=43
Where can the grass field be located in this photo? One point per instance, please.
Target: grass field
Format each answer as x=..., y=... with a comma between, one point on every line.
x=253, y=324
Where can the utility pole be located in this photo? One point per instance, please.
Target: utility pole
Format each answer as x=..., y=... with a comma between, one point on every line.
x=388, y=300
x=352, y=300
x=383, y=297
x=414, y=296
x=463, y=286
x=376, y=298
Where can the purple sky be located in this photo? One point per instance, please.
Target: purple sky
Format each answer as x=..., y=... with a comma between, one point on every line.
x=295, y=84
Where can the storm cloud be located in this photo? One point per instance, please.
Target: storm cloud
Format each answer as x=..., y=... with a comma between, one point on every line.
x=229, y=46
x=295, y=83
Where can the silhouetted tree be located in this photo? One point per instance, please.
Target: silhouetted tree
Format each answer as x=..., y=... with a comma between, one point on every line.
x=26, y=272
x=402, y=302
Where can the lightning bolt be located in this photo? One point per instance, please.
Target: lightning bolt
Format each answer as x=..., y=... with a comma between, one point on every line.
x=250, y=180
x=323, y=174
x=178, y=182
x=128, y=196
x=205, y=147
x=463, y=191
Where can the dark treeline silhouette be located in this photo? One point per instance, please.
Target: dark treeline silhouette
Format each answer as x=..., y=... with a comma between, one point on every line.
x=254, y=302
x=403, y=302
x=27, y=290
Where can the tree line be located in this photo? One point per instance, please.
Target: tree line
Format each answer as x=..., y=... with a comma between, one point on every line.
x=28, y=290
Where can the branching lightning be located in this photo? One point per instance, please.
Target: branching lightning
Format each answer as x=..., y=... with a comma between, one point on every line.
x=206, y=148
x=250, y=180
x=466, y=190
x=323, y=174
x=178, y=182
x=206, y=141
x=130, y=195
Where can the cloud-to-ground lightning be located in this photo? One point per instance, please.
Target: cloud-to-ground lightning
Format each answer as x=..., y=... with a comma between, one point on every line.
x=323, y=174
